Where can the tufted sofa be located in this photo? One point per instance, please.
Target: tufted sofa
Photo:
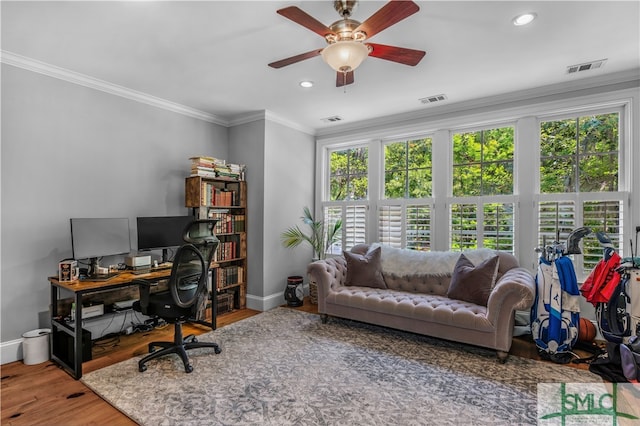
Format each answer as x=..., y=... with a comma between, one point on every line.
x=415, y=298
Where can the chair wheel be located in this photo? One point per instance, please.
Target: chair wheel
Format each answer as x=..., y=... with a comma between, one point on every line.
x=142, y=368
x=188, y=368
x=217, y=350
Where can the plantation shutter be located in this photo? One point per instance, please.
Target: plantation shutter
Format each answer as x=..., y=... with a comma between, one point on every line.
x=390, y=225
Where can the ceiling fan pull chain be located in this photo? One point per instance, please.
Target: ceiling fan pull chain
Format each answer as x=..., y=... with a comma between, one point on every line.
x=344, y=80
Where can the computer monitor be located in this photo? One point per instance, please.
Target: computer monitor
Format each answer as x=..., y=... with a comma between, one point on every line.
x=162, y=232
x=93, y=238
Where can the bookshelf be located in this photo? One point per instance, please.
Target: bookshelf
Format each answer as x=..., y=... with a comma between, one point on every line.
x=225, y=200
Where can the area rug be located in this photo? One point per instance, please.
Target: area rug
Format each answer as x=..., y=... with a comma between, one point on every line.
x=284, y=367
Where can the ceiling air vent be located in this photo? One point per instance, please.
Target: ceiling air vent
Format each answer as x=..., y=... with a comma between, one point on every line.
x=333, y=119
x=586, y=66
x=432, y=99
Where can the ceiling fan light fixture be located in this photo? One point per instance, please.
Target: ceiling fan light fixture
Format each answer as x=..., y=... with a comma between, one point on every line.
x=345, y=56
x=306, y=84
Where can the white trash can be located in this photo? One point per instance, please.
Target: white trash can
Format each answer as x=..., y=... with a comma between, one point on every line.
x=35, y=346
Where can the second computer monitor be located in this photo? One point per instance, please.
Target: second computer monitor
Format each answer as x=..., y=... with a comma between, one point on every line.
x=162, y=232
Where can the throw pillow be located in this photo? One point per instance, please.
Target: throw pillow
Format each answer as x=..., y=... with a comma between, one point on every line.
x=364, y=269
x=471, y=283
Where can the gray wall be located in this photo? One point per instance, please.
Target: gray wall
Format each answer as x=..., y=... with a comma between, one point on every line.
x=280, y=174
x=246, y=146
x=289, y=177
x=70, y=151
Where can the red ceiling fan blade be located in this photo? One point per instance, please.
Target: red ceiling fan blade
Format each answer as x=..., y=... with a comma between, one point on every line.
x=396, y=54
x=388, y=15
x=301, y=17
x=292, y=60
x=343, y=79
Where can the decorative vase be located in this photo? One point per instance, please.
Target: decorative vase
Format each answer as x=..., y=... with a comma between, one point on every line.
x=294, y=294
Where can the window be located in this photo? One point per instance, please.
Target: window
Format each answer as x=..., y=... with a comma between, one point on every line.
x=467, y=188
x=579, y=154
x=579, y=170
x=482, y=206
x=349, y=174
x=407, y=169
x=483, y=162
x=404, y=216
x=348, y=193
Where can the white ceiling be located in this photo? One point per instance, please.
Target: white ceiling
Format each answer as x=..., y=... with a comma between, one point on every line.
x=212, y=56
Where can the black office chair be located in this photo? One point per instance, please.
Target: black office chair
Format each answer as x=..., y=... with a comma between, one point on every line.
x=186, y=296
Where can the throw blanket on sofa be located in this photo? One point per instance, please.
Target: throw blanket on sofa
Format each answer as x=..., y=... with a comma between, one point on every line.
x=402, y=262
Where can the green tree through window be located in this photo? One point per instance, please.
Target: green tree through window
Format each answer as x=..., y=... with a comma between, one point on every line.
x=579, y=154
x=483, y=162
x=348, y=174
x=407, y=169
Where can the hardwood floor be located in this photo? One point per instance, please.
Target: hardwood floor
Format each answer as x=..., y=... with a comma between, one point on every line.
x=44, y=394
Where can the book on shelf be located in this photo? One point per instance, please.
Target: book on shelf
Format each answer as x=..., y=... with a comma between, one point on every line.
x=227, y=250
x=211, y=195
x=228, y=275
x=216, y=168
x=227, y=223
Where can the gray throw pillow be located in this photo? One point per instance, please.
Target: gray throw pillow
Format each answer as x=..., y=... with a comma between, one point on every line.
x=471, y=283
x=365, y=270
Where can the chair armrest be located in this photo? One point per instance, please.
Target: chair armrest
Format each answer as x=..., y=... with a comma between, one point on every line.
x=328, y=274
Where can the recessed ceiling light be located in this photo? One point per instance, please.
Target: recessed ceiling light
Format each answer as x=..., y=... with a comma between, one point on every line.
x=524, y=19
x=306, y=84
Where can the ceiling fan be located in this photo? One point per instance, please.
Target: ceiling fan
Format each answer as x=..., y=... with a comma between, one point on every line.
x=346, y=47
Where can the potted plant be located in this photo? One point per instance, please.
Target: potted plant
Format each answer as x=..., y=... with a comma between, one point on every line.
x=318, y=237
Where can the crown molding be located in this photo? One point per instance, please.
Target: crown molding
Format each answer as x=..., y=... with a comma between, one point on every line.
x=43, y=68
x=270, y=116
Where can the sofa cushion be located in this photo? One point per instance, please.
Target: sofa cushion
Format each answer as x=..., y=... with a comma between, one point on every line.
x=473, y=283
x=364, y=269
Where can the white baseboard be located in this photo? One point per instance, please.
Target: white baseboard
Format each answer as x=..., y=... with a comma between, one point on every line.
x=11, y=351
x=273, y=301
x=265, y=303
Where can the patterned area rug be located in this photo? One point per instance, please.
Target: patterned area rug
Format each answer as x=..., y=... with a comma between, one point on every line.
x=284, y=367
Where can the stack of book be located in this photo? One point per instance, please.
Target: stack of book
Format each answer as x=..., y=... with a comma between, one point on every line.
x=228, y=276
x=215, y=168
x=227, y=223
x=227, y=250
x=211, y=195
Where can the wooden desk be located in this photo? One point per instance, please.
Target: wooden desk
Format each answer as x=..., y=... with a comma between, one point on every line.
x=81, y=288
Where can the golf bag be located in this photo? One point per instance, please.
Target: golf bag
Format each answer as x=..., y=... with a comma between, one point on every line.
x=606, y=289
x=556, y=310
x=555, y=314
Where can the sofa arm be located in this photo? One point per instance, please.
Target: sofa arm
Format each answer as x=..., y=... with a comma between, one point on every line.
x=514, y=291
x=327, y=274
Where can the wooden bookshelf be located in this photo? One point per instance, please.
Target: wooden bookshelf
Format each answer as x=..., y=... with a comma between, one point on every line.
x=225, y=200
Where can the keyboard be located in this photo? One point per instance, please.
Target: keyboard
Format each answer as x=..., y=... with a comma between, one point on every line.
x=161, y=267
